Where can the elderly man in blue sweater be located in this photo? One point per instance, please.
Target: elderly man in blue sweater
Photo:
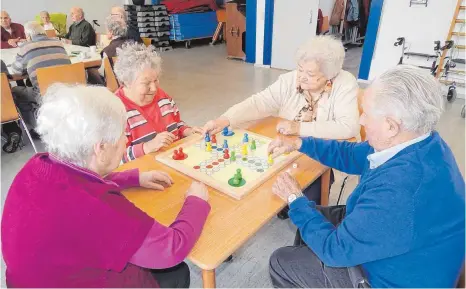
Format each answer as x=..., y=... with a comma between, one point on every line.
x=404, y=224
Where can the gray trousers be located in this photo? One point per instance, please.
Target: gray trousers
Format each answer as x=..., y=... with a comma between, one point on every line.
x=298, y=267
x=27, y=100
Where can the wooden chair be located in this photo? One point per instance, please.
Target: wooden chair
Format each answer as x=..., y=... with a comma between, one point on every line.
x=9, y=111
x=69, y=74
x=51, y=33
x=147, y=41
x=110, y=77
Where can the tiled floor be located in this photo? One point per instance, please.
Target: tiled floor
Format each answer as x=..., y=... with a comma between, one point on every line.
x=204, y=84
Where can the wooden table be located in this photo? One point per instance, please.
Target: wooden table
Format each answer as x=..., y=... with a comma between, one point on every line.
x=9, y=55
x=231, y=222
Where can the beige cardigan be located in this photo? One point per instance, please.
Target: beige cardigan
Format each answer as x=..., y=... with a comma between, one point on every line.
x=337, y=112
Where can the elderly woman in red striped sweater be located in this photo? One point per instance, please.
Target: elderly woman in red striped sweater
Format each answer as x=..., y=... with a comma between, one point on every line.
x=153, y=119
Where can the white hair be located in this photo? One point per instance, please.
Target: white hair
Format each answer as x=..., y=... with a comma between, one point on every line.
x=134, y=58
x=327, y=51
x=411, y=95
x=33, y=28
x=72, y=119
x=116, y=26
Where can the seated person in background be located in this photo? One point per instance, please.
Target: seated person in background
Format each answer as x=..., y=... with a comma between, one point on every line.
x=153, y=119
x=45, y=18
x=404, y=225
x=318, y=99
x=12, y=33
x=133, y=31
x=65, y=222
x=117, y=33
x=12, y=130
x=80, y=32
x=38, y=51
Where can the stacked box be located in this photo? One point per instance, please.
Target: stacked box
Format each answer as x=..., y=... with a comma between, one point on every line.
x=152, y=21
x=188, y=26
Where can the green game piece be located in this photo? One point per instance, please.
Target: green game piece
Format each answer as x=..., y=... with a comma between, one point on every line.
x=253, y=145
x=233, y=156
x=235, y=183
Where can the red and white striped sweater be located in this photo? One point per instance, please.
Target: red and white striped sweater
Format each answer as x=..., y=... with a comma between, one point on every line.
x=145, y=122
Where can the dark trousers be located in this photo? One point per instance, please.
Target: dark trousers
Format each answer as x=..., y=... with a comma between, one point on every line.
x=175, y=277
x=298, y=266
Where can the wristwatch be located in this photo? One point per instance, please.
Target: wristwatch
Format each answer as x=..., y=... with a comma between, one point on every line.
x=293, y=197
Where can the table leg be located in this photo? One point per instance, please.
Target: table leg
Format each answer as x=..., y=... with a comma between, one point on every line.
x=208, y=278
x=325, y=189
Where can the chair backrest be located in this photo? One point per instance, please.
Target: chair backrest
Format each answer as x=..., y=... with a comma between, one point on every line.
x=9, y=112
x=360, y=96
x=147, y=41
x=110, y=77
x=69, y=74
x=51, y=33
x=58, y=20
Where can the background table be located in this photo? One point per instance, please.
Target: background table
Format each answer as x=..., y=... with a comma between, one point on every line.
x=8, y=56
x=231, y=222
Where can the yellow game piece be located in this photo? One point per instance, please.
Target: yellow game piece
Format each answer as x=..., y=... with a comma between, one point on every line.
x=245, y=150
x=270, y=160
x=208, y=146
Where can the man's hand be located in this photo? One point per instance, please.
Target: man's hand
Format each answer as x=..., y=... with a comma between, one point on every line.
x=14, y=42
x=282, y=145
x=156, y=180
x=285, y=185
x=216, y=125
x=287, y=127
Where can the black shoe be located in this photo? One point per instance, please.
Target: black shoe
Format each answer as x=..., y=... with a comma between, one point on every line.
x=12, y=144
x=34, y=134
x=229, y=259
x=283, y=214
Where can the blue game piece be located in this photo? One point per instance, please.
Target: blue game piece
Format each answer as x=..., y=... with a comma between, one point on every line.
x=207, y=137
x=225, y=131
x=246, y=138
x=225, y=144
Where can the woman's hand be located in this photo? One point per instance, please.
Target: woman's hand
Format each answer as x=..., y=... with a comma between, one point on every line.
x=156, y=180
x=285, y=185
x=282, y=145
x=216, y=125
x=287, y=127
x=161, y=140
x=198, y=190
x=193, y=130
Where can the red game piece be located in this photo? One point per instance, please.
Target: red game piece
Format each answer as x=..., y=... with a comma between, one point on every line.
x=175, y=155
x=214, y=139
x=226, y=156
x=226, y=151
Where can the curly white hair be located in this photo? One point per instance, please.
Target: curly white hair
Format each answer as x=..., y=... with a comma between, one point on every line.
x=327, y=51
x=134, y=58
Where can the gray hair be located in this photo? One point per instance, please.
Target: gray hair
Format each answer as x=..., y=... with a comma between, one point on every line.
x=411, y=95
x=327, y=51
x=72, y=119
x=116, y=26
x=45, y=12
x=134, y=58
x=33, y=28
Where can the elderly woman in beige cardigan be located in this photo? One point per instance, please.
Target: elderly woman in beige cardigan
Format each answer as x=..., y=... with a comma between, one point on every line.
x=318, y=99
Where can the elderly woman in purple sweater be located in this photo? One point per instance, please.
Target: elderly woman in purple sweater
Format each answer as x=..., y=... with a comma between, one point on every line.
x=65, y=222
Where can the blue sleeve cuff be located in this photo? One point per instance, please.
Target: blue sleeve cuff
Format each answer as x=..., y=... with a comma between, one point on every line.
x=301, y=202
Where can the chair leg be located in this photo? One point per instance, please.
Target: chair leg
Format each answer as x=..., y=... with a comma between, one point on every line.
x=29, y=135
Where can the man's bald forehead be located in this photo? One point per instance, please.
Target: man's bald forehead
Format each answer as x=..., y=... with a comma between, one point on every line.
x=5, y=14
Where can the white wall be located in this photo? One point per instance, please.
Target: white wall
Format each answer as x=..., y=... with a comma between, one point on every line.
x=420, y=25
x=22, y=11
x=260, y=25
